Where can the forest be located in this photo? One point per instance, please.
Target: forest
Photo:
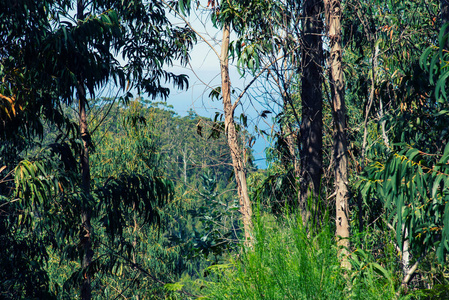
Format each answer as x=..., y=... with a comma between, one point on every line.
x=107, y=192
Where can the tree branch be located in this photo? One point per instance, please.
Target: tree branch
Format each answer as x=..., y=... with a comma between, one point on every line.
x=234, y=106
x=191, y=27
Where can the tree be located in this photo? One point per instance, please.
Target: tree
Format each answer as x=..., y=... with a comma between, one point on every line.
x=411, y=110
x=86, y=231
x=75, y=55
x=333, y=23
x=311, y=131
x=240, y=17
x=231, y=133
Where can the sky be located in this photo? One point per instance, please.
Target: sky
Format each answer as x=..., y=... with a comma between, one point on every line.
x=204, y=74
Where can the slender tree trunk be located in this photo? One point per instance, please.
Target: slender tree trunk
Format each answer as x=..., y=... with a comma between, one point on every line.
x=86, y=228
x=135, y=232
x=311, y=131
x=383, y=125
x=333, y=17
x=405, y=252
x=365, y=122
x=184, y=155
x=291, y=137
x=231, y=135
x=370, y=101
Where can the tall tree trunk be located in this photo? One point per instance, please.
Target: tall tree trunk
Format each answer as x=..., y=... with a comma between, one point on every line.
x=311, y=131
x=291, y=136
x=231, y=135
x=86, y=228
x=333, y=18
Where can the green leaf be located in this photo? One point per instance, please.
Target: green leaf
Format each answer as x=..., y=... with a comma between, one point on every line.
x=441, y=85
x=433, y=66
x=436, y=185
x=381, y=271
x=424, y=58
x=181, y=6
x=174, y=287
x=442, y=38
x=442, y=112
x=412, y=153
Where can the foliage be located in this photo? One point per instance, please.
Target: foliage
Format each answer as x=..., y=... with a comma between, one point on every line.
x=413, y=185
x=194, y=229
x=286, y=263
x=372, y=280
x=301, y=268
x=24, y=276
x=164, y=210
x=219, y=219
x=439, y=291
x=47, y=54
x=412, y=181
x=275, y=189
x=434, y=61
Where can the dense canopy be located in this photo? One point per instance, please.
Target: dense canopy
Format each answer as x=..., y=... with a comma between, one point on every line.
x=108, y=192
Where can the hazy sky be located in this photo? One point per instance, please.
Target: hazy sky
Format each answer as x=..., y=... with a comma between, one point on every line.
x=204, y=74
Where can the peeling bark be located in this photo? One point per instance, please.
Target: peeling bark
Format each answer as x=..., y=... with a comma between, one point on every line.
x=405, y=252
x=333, y=18
x=232, y=138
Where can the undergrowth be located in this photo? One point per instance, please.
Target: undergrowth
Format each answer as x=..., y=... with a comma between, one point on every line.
x=288, y=263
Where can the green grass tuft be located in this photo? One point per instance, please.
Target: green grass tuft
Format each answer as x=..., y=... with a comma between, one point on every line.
x=288, y=263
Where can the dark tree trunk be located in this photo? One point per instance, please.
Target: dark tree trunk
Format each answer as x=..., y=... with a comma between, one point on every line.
x=86, y=228
x=311, y=131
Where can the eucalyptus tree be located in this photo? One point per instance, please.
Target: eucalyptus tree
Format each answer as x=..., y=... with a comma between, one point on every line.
x=54, y=50
x=407, y=143
x=245, y=18
x=269, y=41
x=285, y=44
x=231, y=131
x=277, y=53
x=292, y=57
x=333, y=12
